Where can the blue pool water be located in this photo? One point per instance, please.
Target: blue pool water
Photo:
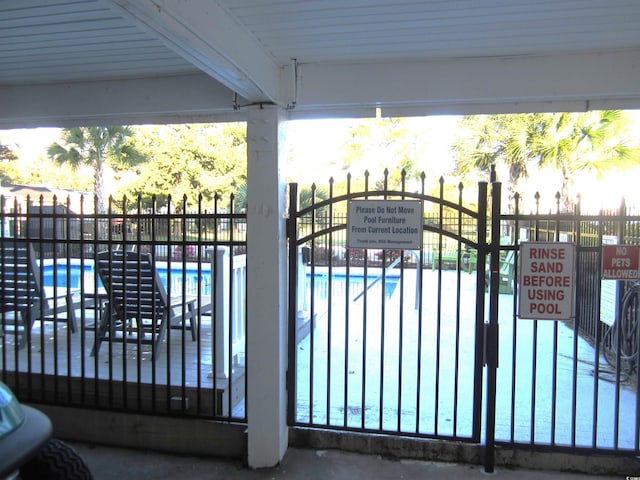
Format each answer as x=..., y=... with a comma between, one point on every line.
x=72, y=280
x=321, y=281
x=356, y=284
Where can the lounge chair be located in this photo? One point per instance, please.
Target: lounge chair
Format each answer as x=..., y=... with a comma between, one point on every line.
x=137, y=308
x=23, y=298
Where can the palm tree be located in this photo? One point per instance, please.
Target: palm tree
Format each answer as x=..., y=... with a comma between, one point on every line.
x=570, y=142
x=96, y=147
x=488, y=140
x=592, y=141
x=476, y=146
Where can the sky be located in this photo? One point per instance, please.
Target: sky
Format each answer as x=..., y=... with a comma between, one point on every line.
x=29, y=142
x=315, y=146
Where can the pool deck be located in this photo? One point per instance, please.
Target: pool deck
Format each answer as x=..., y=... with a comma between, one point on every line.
x=181, y=364
x=108, y=463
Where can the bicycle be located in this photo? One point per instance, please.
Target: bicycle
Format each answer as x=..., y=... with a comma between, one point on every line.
x=620, y=341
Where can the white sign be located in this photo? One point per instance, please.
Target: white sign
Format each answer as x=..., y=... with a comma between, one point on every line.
x=385, y=224
x=608, y=290
x=547, y=277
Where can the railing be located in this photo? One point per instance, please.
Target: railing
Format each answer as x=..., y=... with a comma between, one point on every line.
x=230, y=313
x=391, y=347
x=385, y=364
x=198, y=259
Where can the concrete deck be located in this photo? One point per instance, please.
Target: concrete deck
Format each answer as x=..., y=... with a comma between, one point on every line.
x=119, y=464
x=72, y=355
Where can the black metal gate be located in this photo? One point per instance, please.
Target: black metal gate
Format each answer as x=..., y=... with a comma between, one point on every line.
x=387, y=341
x=397, y=341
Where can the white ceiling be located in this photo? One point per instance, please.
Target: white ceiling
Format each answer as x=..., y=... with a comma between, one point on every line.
x=356, y=31
x=157, y=59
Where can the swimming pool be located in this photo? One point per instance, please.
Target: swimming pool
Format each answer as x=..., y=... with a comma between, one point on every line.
x=177, y=273
x=202, y=279
x=356, y=284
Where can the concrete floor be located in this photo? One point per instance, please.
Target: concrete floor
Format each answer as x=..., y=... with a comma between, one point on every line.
x=120, y=464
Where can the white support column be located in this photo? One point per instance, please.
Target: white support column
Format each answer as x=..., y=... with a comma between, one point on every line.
x=266, y=289
x=220, y=261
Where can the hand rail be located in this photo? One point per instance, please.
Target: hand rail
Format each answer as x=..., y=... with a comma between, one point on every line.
x=379, y=277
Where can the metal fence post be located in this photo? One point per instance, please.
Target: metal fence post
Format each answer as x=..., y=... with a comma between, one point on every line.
x=292, y=235
x=491, y=329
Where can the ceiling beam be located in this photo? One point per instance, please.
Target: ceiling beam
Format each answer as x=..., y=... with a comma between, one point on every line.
x=204, y=34
x=570, y=82
x=177, y=99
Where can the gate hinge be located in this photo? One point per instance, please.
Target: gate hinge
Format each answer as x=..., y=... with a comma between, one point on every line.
x=490, y=345
x=484, y=344
x=290, y=227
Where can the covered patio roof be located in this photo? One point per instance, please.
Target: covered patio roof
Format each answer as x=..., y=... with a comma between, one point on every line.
x=99, y=62
x=71, y=62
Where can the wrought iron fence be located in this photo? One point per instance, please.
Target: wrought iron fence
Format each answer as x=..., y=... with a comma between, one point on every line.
x=398, y=361
x=566, y=389
x=380, y=339
x=133, y=309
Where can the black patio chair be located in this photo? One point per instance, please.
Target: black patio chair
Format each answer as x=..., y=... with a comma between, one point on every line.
x=137, y=308
x=23, y=298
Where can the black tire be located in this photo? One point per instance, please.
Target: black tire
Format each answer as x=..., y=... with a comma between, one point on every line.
x=624, y=349
x=56, y=461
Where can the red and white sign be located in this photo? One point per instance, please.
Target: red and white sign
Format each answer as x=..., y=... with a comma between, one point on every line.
x=620, y=262
x=547, y=273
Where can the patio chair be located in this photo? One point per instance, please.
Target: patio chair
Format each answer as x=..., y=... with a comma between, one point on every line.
x=23, y=298
x=137, y=308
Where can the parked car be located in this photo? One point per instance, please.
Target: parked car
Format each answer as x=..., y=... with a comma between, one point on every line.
x=28, y=451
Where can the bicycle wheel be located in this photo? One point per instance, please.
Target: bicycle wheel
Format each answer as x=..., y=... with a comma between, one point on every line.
x=620, y=341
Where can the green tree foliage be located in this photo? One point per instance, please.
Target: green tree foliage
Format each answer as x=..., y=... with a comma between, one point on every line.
x=18, y=170
x=190, y=160
x=99, y=148
x=310, y=195
x=414, y=144
x=594, y=141
x=376, y=144
x=569, y=142
x=240, y=201
x=487, y=140
x=6, y=154
x=8, y=171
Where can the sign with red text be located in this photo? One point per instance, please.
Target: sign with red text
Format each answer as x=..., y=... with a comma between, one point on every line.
x=547, y=277
x=620, y=262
